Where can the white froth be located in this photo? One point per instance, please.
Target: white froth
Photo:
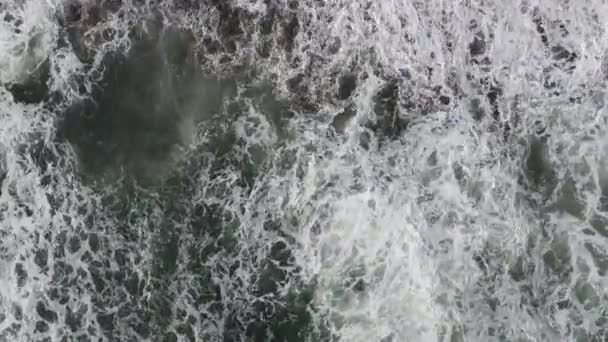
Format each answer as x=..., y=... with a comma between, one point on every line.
x=26, y=39
x=413, y=238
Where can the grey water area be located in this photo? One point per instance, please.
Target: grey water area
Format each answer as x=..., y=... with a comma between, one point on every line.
x=143, y=115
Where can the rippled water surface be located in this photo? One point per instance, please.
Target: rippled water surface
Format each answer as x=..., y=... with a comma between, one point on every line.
x=273, y=170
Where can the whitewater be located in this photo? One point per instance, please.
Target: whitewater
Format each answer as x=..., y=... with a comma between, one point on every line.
x=314, y=170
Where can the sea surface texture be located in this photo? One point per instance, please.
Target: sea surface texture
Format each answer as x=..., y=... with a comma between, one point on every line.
x=303, y=171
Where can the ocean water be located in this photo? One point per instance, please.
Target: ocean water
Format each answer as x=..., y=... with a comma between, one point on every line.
x=274, y=170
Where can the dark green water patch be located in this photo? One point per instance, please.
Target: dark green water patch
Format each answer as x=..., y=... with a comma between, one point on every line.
x=141, y=115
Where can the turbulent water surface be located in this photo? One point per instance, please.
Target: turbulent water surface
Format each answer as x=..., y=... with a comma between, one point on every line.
x=313, y=170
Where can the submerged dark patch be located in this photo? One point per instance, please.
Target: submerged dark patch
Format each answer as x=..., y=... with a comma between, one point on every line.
x=132, y=120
